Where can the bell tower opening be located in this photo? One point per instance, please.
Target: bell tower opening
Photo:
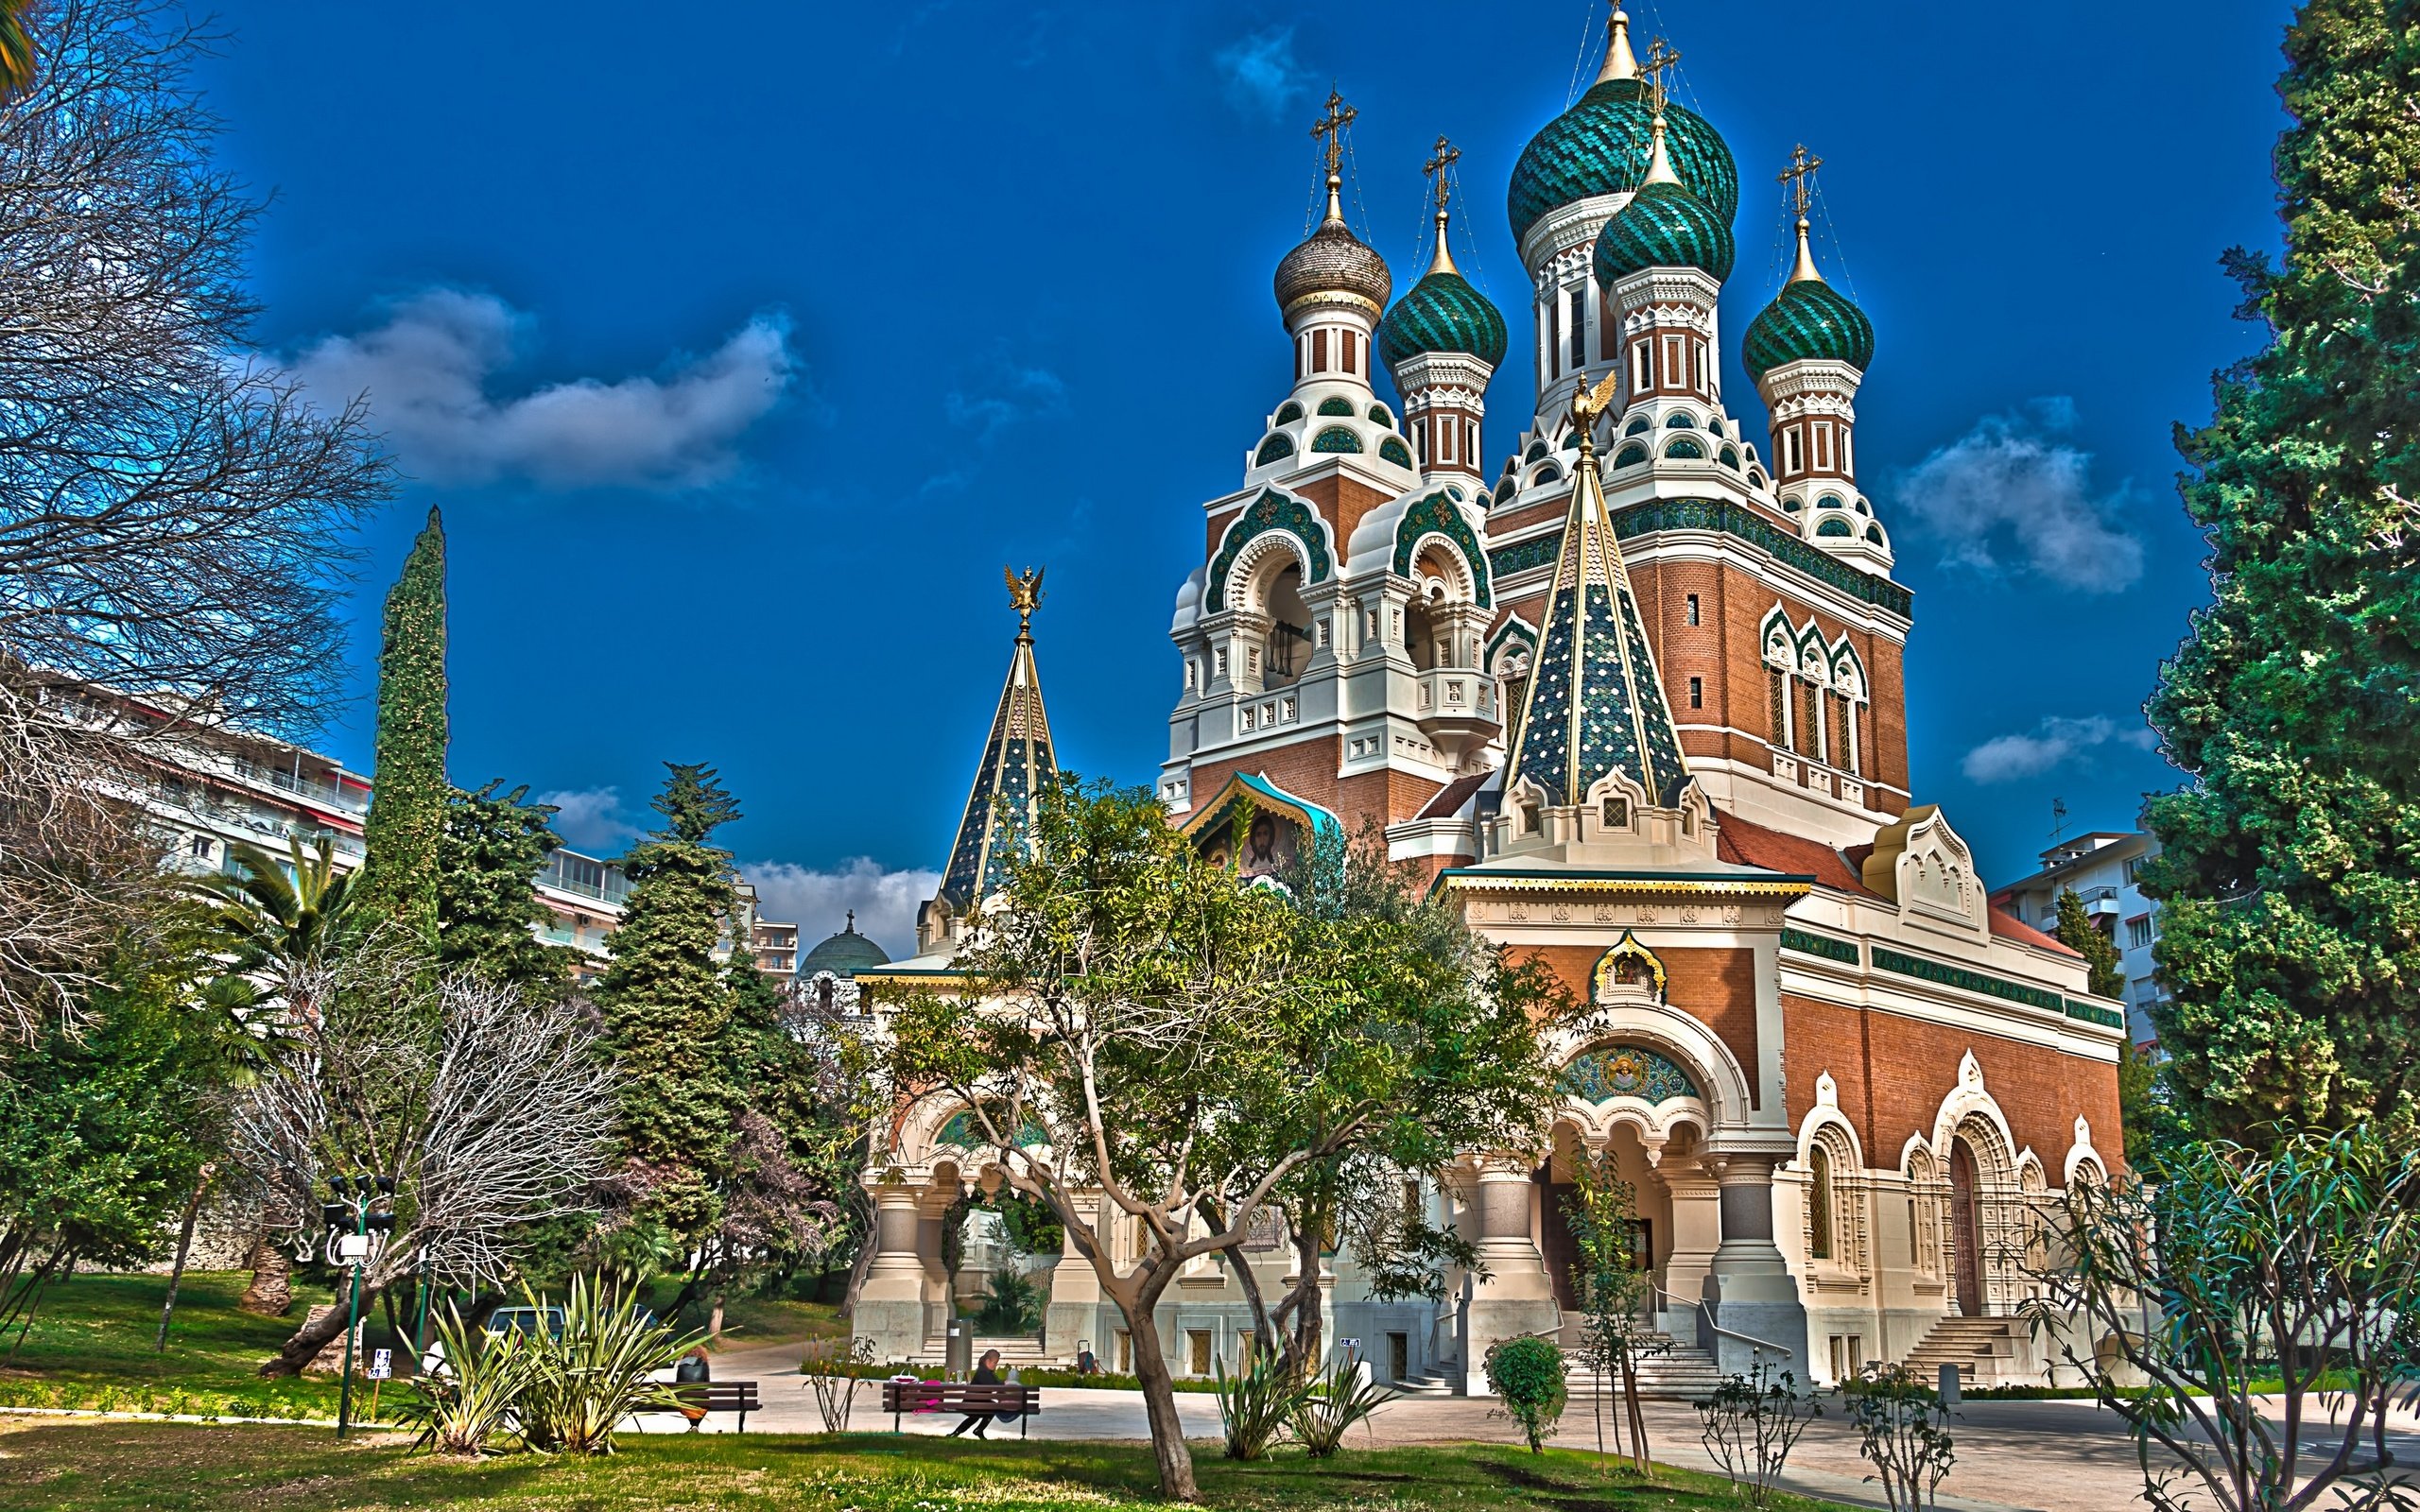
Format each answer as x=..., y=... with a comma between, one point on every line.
x=1289, y=629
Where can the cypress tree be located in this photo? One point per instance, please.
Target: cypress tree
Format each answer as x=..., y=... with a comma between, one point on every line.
x=2290, y=867
x=487, y=912
x=2075, y=931
x=667, y=1004
x=407, y=820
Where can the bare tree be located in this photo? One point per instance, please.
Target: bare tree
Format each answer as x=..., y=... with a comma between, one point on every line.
x=174, y=518
x=501, y=1118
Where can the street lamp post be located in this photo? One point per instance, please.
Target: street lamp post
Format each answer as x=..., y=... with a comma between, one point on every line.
x=355, y=1197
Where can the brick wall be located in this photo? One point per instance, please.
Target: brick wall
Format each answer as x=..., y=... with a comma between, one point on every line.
x=1716, y=985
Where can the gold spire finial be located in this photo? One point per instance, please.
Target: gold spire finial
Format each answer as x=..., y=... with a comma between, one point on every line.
x=1798, y=181
x=1441, y=190
x=1620, y=62
x=1586, y=406
x=1025, y=597
x=1330, y=128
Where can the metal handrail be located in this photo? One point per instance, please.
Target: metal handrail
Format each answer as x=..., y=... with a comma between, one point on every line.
x=1706, y=1319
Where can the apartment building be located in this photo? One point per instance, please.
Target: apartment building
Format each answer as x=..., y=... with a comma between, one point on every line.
x=2101, y=868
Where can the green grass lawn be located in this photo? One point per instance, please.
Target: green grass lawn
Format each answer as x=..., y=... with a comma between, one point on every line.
x=124, y=1466
x=90, y=1345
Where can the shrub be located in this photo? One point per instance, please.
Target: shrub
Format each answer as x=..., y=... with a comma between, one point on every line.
x=1525, y=1374
x=1256, y=1407
x=590, y=1377
x=1750, y=1424
x=467, y=1402
x=1335, y=1402
x=832, y=1370
x=1903, y=1432
x=1012, y=1306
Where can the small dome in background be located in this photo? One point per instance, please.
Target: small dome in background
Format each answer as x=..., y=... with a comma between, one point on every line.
x=1442, y=312
x=844, y=954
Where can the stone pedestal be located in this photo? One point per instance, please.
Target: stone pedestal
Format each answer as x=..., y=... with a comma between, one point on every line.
x=1075, y=1307
x=1697, y=1233
x=1748, y=1289
x=1517, y=1296
x=890, y=1305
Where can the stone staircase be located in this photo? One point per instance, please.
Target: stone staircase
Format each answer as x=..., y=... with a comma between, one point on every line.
x=1982, y=1349
x=1437, y=1381
x=1676, y=1372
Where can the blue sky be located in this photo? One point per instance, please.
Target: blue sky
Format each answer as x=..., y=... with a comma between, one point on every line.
x=741, y=356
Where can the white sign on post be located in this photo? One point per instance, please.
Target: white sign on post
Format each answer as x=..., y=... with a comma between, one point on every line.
x=352, y=1249
x=382, y=1363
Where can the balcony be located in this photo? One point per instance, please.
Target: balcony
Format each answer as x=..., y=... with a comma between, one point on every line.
x=1454, y=706
x=2100, y=902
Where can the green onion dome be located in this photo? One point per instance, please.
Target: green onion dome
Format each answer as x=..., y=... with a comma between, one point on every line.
x=1664, y=226
x=1333, y=262
x=1599, y=146
x=1441, y=313
x=1808, y=320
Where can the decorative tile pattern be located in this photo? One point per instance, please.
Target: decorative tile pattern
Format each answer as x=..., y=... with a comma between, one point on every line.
x=1442, y=312
x=1336, y=438
x=1887, y=959
x=1686, y=447
x=962, y=1133
x=1808, y=320
x=1273, y=510
x=1664, y=226
x=1599, y=146
x=1608, y=1072
x=1017, y=762
x=1437, y=515
x=1807, y=940
x=1393, y=450
x=1276, y=448
x=1333, y=405
x=1731, y=520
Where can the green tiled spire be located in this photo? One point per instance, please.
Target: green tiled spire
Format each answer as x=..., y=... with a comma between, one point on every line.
x=1017, y=761
x=1808, y=320
x=1594, y=704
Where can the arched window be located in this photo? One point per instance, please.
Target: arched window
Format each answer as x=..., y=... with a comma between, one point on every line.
x=1630, y=455
x=1287, y=413
x=1333, y=406
x=1276, y=448
x=1336, y=438
x=1819, y=1202
x=1835, y=526
x=824, y=993
x=1393, y=450
x=1378, y=416
x=1686, y=447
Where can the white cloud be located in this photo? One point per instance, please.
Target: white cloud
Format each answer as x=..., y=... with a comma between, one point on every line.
x=590, y=819
x=2013, y=495
x=818, y=901
x=1014, y=395
x=2054, y=743
x=427, y=371
x=1262, y=76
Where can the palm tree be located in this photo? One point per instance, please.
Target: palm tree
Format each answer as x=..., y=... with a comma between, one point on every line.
x=275, y=928
x=16, y=49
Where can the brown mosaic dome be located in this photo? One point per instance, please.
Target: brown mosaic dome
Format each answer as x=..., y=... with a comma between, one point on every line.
x=1333, y=262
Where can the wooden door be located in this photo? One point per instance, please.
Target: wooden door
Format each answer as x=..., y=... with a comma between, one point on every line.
x=1965, y=1229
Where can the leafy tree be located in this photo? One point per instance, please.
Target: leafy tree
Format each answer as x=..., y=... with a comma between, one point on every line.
x=103, y=1133
x=1190, y=1045
x=2147, y=1108
x=405, y=831
x=669, y=1005
x=2290, y=866
x=488, y=911
x=1601, y=1209
x=2077, y=932
x=1525, y=1374
x=17, y=60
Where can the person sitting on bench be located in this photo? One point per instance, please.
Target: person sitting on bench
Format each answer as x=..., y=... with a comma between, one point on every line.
x=986, y=1374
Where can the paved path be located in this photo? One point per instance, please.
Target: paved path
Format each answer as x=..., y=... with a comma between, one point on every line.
x=2039, y=1456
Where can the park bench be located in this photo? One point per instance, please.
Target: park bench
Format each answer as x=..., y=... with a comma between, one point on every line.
x=722, y=1396
x=962, y=1397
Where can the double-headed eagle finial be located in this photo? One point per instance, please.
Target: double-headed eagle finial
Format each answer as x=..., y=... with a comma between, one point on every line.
x=1025, y=595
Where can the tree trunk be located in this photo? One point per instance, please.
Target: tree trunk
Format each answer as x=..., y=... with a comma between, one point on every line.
x=714, y=1320
x=1168, y=1448
x=1305, y=1343
x=271, y=1291
x=311, y=1337
x=184, y=1251
x=1631, y=1408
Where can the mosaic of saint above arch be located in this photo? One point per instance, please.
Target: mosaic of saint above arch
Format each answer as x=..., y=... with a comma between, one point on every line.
x=1608, y=1072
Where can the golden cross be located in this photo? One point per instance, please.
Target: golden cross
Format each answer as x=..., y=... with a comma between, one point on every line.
x=1331, y=126
x=1447, y=155
x=1799, y=177
x=1660, y=56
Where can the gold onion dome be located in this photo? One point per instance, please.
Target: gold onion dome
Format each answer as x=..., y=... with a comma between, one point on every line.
x=1333, y=264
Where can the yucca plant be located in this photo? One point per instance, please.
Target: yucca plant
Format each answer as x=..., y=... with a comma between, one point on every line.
x=1331, y=1403
x=469, y=1398
x=1256, y=1407
x=588, y=1379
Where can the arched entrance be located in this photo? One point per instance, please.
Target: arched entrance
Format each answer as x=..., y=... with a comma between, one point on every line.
x=1650, y=1230
x=1965, y=1227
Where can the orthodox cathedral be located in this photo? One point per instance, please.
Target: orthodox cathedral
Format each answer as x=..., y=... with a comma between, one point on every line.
x=1629, y=688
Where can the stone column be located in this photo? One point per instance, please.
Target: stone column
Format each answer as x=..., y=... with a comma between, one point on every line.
x=1517, y=1296
x=890, y=1306
x=1075, y=1309
x=1749, y=1288
x=1697, y=1232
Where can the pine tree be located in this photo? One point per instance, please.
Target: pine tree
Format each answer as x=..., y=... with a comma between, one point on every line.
x=668, y=1004
x=2100, y=952
x=488, y=910
x=408, y=807
x=2290, y=866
